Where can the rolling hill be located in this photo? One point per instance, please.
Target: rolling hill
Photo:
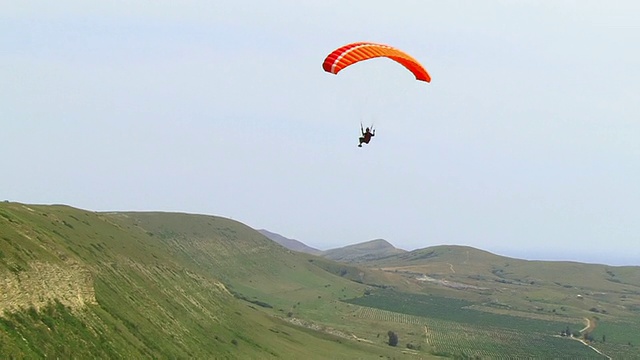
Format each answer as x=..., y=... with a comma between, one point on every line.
x=81, y=284
x=608, y=296
x=363, y=252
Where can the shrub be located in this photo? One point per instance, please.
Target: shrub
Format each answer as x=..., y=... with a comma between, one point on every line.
x=393, y=338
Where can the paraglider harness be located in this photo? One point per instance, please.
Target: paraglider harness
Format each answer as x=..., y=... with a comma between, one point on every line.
x=366, y=135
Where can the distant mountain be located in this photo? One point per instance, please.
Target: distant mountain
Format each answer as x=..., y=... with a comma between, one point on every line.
x=443, y=253
x=463, y=265
x=290, y=244
x=362, y=252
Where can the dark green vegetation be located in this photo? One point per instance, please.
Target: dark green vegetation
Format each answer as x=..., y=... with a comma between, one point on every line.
x=474, y=291
x=436, y=307
x=78, y=284
x=452, y=323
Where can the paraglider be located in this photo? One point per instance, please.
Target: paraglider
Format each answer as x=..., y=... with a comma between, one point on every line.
x=353, y=53
x=350, y=54
x=366, y=135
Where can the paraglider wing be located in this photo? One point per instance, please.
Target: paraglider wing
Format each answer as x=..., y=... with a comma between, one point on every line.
x=352, y=53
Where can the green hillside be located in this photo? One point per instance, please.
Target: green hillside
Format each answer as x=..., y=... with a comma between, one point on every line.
x=79, y=284
x=608, y=297
x=251, y=265
x=483, y=269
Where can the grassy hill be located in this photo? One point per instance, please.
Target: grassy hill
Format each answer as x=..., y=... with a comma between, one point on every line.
x=482, y=267
x=606, y=296
x=366, y=251
x=79, y=284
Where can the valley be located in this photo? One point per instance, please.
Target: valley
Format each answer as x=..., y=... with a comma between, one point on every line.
x=78, y=284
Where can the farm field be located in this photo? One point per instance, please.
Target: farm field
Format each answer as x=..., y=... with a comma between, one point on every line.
x=618, y=339
x=447, y=328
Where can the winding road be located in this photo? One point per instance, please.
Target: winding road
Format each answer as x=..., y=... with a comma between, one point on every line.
x=591, y=325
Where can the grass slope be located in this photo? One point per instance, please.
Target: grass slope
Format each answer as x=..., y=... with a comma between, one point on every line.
x=549, y=290
x=79, y=284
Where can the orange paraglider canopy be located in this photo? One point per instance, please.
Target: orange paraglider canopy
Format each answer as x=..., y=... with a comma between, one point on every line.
x=352, y=53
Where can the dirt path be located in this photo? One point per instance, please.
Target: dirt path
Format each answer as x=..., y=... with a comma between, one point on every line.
x=361, y=339
x=451, y=267
x=591, y=325
x=426, y=335
x=592, y=348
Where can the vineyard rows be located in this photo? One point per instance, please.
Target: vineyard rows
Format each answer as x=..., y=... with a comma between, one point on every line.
x=457, y=339
x=388, y=316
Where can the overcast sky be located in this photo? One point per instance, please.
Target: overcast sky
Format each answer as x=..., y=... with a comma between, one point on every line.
x=526, y=142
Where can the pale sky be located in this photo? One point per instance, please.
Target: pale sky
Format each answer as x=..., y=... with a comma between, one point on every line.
x=526, y=143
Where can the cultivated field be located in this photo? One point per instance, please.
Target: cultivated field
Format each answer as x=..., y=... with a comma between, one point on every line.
x=448, y=328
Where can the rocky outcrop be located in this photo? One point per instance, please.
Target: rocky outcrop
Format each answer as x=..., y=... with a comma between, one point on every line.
x=42, y=283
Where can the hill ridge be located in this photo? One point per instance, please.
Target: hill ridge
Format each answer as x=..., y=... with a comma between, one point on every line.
x=290, y=244
x=362, y=252
x=82, y=284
